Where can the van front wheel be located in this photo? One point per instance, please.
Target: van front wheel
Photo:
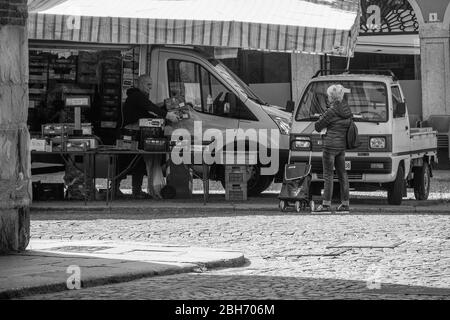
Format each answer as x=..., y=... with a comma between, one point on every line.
x=395, y=189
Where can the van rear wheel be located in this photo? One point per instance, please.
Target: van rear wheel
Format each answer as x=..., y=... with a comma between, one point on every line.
x=257, y=182
x=395, y=189
x=422, y=182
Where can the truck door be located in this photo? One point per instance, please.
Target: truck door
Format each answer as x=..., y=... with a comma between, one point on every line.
x=183, y=75
x=401, y=137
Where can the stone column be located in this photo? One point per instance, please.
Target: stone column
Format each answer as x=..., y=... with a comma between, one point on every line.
x=435, y=65
x=15, y=172
x=304, y=66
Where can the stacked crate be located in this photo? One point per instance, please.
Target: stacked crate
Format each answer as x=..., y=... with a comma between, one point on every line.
x=63, y=69
x=235, y=182
x=88, y=72
x=130, y=67
x=38, y=73
x=110, y=96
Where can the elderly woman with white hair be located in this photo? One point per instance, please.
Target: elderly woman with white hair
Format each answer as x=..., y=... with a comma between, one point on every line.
x=336, y=120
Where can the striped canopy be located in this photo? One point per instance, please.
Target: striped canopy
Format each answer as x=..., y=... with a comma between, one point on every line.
x=307, y=26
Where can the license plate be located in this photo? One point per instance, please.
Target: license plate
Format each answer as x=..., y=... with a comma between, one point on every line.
x=348, y=165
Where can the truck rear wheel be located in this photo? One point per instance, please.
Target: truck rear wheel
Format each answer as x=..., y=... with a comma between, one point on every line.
x=395, y=189
x=422, y=182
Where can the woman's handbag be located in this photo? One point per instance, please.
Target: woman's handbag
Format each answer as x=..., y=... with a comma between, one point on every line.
x=352, y=136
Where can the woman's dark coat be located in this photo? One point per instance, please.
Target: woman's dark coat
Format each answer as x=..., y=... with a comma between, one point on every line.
x=336, y=119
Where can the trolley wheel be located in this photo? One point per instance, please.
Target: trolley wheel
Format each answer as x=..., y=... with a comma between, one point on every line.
x=298, y=206
x=283, y=205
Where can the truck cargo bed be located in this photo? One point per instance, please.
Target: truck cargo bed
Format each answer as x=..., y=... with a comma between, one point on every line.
x=423, y=139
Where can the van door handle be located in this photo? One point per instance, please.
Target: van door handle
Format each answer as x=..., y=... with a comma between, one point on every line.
x=406, y=128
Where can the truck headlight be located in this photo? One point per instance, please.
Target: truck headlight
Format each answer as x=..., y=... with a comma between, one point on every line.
x=378, y=143
x=283, y=124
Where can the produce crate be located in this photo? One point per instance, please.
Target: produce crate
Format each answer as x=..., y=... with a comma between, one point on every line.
x=235, y=174
x=235, y=191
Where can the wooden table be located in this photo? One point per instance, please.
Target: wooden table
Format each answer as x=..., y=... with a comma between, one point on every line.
x=113, y=154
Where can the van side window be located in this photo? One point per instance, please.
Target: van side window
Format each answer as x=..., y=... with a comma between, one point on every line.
x=184, y=81
x=217, y=99
x=396, y=99
x=206, y=93
x=215, y=96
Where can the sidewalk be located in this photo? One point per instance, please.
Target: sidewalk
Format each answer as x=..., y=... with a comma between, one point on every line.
x=217, y=206
x=361, y=202
x=49, y=265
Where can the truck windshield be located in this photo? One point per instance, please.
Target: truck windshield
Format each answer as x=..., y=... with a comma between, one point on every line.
x=234, y=80
x=367, y=100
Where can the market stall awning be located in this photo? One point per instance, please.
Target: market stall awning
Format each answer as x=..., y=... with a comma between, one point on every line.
x=309, y=26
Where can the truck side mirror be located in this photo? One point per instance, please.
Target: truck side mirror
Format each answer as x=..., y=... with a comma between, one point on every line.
x=400, y=110
x=290, y=106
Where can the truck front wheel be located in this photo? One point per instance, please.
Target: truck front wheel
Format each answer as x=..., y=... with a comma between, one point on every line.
x=395, y=189
x=422, y=182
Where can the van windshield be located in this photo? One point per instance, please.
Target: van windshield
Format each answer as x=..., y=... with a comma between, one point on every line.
x=367, y=100
x=235, y=81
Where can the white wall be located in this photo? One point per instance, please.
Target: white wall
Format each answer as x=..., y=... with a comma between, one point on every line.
x=412, y=89
x=304, y=66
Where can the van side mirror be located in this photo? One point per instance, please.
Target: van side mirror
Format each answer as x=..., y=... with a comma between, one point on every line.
x=230, y=103
x=290, y=106
x=400, y=110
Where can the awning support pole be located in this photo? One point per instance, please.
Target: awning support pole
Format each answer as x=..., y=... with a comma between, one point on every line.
x=348, y=51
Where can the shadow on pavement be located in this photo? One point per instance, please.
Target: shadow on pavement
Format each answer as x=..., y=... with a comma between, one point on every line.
x=35, y=272
x=224, y=287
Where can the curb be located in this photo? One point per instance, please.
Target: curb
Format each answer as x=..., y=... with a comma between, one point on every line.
x=226, y=210
x=121, y=278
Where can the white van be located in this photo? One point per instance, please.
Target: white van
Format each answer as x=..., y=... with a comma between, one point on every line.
x=220, y=100
x=393, y=154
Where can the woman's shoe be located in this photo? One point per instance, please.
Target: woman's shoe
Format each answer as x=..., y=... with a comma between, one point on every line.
x=322, y=209
x=343, y=209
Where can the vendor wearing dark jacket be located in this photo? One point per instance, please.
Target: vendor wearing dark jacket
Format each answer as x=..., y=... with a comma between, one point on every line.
x=138, y=106
x=336, y=120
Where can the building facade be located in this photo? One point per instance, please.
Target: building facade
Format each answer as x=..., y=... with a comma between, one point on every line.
x=412, y=37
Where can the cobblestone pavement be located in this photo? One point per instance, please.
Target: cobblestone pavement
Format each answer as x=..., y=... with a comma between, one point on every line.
x=372, y=256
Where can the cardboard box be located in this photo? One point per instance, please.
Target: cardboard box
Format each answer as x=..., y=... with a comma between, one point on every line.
x=127, y=144
x=51, y=129
x=90, y=143
x=38, y=144
x=77, y=145
x=151, y=123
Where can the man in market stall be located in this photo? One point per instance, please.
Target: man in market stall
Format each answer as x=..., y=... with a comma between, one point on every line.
x=138, y=106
